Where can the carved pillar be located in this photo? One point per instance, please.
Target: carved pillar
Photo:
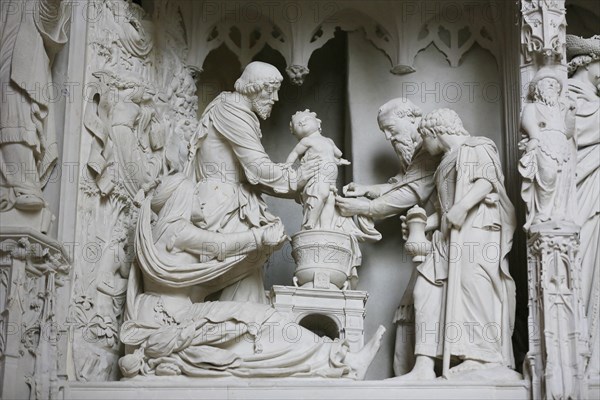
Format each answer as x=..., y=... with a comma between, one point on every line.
x=33, y=300
x=557, y=343
x=557, y=339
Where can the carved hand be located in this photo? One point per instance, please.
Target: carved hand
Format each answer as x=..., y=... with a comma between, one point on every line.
x=307, y=171
x=273, y=235
x=350, y=207
x=356, y=190
x=456, y=216
x=404, y=227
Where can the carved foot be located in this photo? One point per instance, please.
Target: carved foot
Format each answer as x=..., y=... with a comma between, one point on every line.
x=167, y=369
x=471, y=365
x=29, y=202
x=360, y=361
x=422, y=371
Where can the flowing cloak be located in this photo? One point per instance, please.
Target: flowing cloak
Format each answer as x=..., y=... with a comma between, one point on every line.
x=232, y=170
x=478, y=159
x=32, y=33
x=588, y=200
x=167, y=270
x=234, y=156
x=208, y=339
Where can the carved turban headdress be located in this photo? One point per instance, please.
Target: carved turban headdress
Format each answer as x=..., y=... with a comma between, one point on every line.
x=582, y=51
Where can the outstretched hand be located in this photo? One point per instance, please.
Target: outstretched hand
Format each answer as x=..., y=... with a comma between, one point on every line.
x=350, y=207
x=356, y=190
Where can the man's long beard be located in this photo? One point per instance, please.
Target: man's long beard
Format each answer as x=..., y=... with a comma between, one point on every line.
x=548, y=97
x=262, y=108
x=405, y=149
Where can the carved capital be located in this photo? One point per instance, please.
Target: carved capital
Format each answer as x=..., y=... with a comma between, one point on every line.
x=543, y=29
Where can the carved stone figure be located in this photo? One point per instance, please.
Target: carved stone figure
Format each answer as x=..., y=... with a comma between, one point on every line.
x=547, y=163
x=584, y=87
x=131, y=154
x=179, y=263
x=324, y=230
x=28, y=150
x=233, y=168
x=306, y=127
x=463, y=291
x=398, y=119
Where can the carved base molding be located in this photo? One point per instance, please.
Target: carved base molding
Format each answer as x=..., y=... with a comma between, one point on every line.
x=297, y=389
x=337, y=312
x=33, y=299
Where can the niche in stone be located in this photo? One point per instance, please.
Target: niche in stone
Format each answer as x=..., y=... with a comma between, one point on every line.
x=321, y=325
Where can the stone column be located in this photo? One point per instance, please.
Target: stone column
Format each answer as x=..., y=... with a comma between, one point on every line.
x=33, y=300
x=557, y=324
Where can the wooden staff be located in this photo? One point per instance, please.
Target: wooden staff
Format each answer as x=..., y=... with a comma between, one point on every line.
x=451, y=298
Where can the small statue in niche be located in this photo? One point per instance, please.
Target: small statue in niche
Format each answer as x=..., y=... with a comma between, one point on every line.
x=475, y=215
x=584, y=89
x=170, y=329
x=306, y=127
x=547, y=165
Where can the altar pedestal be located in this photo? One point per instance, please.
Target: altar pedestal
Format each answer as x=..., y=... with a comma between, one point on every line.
x=333, y=313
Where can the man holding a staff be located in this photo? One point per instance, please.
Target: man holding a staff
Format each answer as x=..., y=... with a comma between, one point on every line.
x=464, y=297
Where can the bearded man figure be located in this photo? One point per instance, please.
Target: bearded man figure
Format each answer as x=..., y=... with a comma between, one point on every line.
x=547, y=166
x=233, y=169
x=476, y=217
x=398, y=119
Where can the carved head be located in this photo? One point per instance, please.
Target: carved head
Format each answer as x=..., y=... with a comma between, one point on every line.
x=436, y=127
x=259, y=83
x=398, y=119
x=304, y=123
x=545, y=86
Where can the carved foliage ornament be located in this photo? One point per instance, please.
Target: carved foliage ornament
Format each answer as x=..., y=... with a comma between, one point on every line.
x=543, y=31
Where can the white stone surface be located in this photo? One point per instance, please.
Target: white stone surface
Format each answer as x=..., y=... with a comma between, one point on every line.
x=289, y=388
x=345, y=308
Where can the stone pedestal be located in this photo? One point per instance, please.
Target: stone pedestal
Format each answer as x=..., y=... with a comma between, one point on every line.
x=33, y=303
x=335, y=313
x=557, y=325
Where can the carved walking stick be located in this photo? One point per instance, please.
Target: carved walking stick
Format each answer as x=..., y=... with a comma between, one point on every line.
x=451, y=297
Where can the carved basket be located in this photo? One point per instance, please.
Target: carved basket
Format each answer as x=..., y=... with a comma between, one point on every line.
x=323, y=259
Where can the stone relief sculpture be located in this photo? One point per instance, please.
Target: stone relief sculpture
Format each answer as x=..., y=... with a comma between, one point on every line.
x=584, y=86
x=323, y=229
x=233, y=169
x=136, y=121
x=462, y=286
x=28, y=149
x=547, y=165
x=398, y=119
x=178, y=262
